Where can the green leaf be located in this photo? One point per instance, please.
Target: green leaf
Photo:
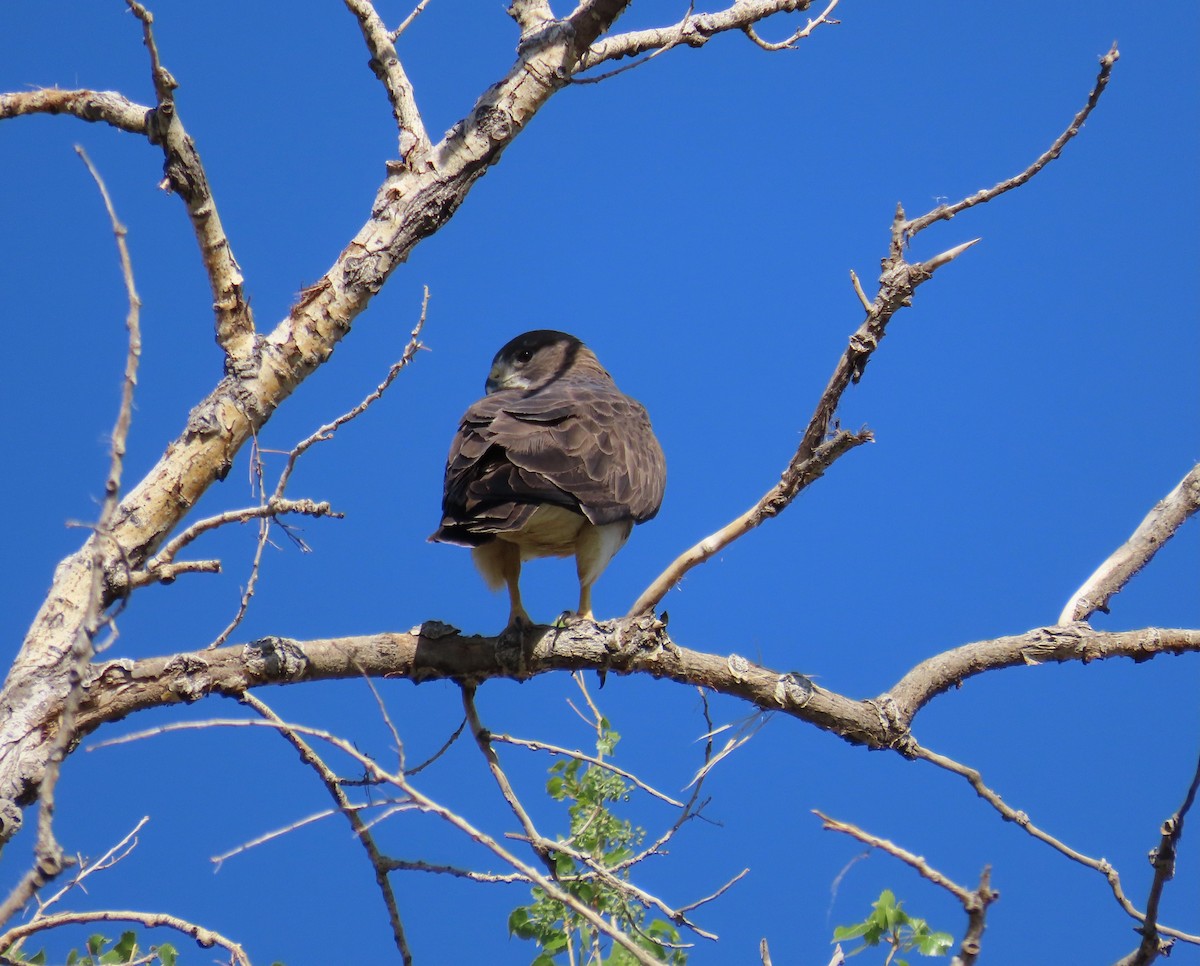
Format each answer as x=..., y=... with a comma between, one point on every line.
x=543, y=960
x=96, y=943
x=126, y=946
x=935, y=944
x=842, y=933
x=167, y=954
x=519, y=924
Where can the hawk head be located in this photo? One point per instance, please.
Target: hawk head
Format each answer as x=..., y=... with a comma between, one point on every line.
x=535, y=359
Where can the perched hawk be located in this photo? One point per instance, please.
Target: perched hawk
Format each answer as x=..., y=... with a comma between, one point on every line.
x=553, y=461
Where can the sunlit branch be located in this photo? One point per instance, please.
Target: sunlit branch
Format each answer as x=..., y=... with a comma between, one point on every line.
x=386, y=65
x=185, y=175
x=1160, y=524
x=694, y=30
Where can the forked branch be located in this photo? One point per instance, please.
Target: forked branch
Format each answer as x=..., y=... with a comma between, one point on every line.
x=897, y=285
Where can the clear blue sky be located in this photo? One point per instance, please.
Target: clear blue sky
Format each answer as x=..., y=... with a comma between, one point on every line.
x=694, y=221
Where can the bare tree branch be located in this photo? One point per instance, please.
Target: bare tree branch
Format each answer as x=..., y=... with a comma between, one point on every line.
x=49, y=857
x=589, y=759
x=1019, y=818
x=790, y=42
x=435, y=651
x=185, y=175
x=905, y=231
x=974, y=902
x=333, y=785
x=1160, y=524
x=385, y=63
x=400, y=781
x=694, y=30
x=1162, y=859
x=897, y=286
x=108, y=107
x=483, y=742
x=206, y=938
x=410, y=206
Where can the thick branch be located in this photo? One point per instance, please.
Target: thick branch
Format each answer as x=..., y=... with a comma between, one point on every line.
x=410, y=206
x=434, y=651
x=1076, y=642
x=106, y=106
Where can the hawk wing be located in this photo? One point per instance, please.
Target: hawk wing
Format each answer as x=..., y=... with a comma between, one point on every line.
x=582, y=445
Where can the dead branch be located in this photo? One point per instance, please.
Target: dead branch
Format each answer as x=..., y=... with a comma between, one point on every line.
x=436, y=652
x=1160, y=524
x=407, y=21
x=588, y=759
x=897, y=285
x=327, y=431
x=544, y=850
x=1072, y=642
x=107, y=107
x=421, y=801
x=87, y=868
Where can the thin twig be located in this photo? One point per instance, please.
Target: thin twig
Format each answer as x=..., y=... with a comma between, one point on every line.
x=974, y=902
x=790, y=43
x=327, y=431
x=416, y=865
x=333, y=787
x=1103, y=866
x=407, y=21
x=589, y=759
x=483, y=741
x=907, y=230
x=106, y=861
x=1160, y=524
x=694, y=30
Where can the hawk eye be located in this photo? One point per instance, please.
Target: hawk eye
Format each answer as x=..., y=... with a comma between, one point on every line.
x=524, y=356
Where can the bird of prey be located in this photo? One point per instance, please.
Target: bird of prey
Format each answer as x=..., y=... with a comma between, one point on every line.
x=553, y=461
